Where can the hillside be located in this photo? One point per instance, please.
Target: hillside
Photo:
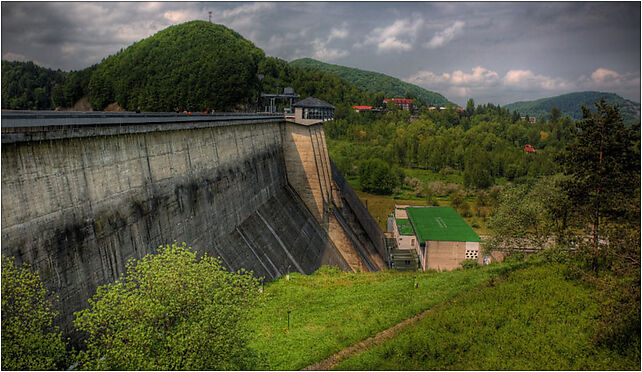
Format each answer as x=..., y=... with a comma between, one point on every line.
x=27, y=86
x=197, y=64
x=571, y=103
x=374, y=82
x=521, y=315
x=532, y=319
x=191, y=66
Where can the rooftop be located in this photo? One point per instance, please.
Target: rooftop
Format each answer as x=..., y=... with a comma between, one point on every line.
x=313, y=102
x=404, y=227
x=440, y=223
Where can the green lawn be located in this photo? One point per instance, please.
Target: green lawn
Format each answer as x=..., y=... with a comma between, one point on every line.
x=332, y=310
x=534, y=320
x=380, y=207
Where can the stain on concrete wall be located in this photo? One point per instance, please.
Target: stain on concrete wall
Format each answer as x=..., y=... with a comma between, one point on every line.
x=78, y=209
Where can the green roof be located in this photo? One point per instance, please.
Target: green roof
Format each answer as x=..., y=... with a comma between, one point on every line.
x=404, y=227
x=440, y=223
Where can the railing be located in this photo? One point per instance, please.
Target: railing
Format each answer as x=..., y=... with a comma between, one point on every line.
x=24, y=119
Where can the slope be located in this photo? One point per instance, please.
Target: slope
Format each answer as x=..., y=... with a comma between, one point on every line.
x=374, y=81
x=570, y=104
x=534, y=319
x=196, y=64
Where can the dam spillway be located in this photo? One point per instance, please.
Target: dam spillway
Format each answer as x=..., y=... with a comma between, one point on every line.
x=83, y=193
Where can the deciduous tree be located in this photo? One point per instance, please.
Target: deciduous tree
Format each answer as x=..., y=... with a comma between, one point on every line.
x=170, y=311
x=30, y=341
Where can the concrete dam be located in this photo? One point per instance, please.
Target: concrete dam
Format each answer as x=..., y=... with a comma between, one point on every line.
x=83, y=193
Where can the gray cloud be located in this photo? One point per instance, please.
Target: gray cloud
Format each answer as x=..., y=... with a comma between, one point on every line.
x=493, y=52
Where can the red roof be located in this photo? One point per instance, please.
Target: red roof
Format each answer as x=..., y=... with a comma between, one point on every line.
x=399, y=100
x=362, y=107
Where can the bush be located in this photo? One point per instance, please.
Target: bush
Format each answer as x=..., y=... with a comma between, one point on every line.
x=469, y=264
x=170, y=311
x=376, y=176
x=29, y=339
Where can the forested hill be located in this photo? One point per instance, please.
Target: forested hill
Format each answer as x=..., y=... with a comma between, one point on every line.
x=28, y=86
x=570, y=104
x=374, y=81
x=193, y=66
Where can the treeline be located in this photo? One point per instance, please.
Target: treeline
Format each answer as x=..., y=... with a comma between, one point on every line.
x=27, y=86
x=309, y=83
x=485, y=143
x=193, y=66
x=586, y=216
x=571, y=105
x=375, y=82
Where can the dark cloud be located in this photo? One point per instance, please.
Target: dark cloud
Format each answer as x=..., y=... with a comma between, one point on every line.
x=494, y=52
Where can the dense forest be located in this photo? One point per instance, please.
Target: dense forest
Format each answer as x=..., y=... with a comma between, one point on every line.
x=485, y=143
x=194, y=66
x=571, y=105
x=27, y=86
x=375, y=82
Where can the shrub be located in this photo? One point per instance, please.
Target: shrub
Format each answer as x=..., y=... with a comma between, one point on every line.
x=29, y=339
x=469, y=264
x=170, y=311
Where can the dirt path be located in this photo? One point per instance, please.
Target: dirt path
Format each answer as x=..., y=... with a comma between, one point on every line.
x=364, y=345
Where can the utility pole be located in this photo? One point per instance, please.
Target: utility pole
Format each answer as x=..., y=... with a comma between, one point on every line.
x=210, y=13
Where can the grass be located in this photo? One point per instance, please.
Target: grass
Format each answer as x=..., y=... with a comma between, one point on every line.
x=331, y=310
x=534, y=320
x=426, y=176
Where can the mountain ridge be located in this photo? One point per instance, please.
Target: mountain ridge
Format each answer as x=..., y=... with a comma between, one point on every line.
x=375, y=82
x=570, y=104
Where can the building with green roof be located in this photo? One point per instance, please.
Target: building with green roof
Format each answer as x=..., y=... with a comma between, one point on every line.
x=439, y=235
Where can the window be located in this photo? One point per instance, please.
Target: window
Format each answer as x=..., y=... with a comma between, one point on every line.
x=472, y=254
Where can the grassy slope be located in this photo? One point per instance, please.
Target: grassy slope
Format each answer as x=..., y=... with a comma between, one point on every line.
x=534, y=320
x=334, y=310
x=374, y=81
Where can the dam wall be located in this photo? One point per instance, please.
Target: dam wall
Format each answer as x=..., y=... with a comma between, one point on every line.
x=79, y=199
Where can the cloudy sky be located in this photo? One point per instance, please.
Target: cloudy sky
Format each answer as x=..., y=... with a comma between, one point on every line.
x=492, y=52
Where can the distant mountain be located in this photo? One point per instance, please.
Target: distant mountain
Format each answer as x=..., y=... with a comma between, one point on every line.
x=571, y=104
x=374, y=82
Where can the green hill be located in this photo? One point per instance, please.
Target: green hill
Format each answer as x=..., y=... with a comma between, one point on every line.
x=571, y=104
x=195, y=64
x=374, y=82
x=27, y=86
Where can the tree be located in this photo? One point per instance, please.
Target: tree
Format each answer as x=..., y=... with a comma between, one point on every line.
x=377, y=177
x=470, y=107
x=30, y=341
x=170, y=311
x=529, y=216
x=603, y=165
x=556, y=114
